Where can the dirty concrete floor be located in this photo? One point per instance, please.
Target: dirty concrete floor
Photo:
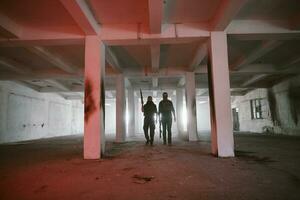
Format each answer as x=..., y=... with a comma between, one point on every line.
x=265, y=167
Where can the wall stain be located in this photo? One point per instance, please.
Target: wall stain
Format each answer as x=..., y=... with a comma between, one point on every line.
x=294, y=103
x=89, y=102
x=273, y=107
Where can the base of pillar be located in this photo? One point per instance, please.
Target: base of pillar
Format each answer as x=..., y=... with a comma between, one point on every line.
x=91, y=157
x=120, y=140
x=226, y=155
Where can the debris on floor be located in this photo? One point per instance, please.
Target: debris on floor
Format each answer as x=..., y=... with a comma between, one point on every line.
x=139, y=179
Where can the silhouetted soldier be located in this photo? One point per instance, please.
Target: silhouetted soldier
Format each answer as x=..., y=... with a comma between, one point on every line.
x=165, y=111
x=150, y=111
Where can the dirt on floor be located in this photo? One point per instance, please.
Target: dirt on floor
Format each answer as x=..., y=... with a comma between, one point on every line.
x=265, y=167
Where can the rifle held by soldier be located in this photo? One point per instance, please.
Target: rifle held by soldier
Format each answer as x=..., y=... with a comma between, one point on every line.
x=142, y=101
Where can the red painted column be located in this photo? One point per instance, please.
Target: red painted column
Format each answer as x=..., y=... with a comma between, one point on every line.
x=94, y=137
x=219, y=89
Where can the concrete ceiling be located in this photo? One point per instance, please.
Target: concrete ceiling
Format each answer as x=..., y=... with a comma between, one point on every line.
x=42, y=42
x=35, y=13
x=120, y=11
x=183, y=11
x=269, y=10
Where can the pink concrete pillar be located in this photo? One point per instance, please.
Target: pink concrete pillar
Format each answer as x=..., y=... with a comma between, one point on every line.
x=94, y=137
x=222, y=143
x=120, y=109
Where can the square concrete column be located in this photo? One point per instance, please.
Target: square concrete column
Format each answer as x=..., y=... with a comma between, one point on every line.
x=120, y=109
x=220, y=103
x=179, y=110
x=131, y=110
x=94, y=71
x=190, y=91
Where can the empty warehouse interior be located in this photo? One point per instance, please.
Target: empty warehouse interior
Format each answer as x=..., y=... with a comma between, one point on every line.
x=74, y=73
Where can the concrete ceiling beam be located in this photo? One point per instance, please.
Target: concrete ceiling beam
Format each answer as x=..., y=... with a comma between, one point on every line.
x=261, y=30
x=278, y=72
x=14, y=66
x=74, y=97
x=53, y=59
x=199, y=56
x=55, y=89
x=58, y=85
x=50, y=40
x=41, y=74
x=263, y=49
x=155, y=57
x=160, y=74
x=113, y=60
x=50, y=90
x=131, y=34
x=254, y=79
x=58, y=75
x=254, y=69
x=31, y=86
x=289, y=64
x=79, y=88
x=12, y=29
x=155, y=9
x=227, y=10
x=162, y=87
x=82, y=15
x=238, y=93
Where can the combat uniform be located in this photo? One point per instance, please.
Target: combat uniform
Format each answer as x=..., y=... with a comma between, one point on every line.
x=149, y=110
x=165, y=111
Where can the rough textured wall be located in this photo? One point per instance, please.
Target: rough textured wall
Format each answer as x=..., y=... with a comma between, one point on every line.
x=281, y=112
x=110, y=116
x=26, y=114
x=243, y=104
x=287, y=101
x=203, y=116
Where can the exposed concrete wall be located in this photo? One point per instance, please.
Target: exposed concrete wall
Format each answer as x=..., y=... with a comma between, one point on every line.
x=203, y=115
x=244, y=109
x=110, y=116
x=26, y=114
x=287, y=106
x=281, y=109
